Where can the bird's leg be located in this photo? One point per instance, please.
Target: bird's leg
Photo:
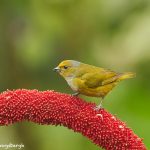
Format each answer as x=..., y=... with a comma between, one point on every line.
x=98, y=107
x=75, y=94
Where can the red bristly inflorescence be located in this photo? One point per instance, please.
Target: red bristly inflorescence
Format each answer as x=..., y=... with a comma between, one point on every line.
x=53, y=108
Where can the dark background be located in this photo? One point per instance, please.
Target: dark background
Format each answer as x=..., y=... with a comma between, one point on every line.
x=35, y=35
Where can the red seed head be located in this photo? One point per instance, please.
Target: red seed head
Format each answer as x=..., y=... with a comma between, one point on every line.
x=53, y=108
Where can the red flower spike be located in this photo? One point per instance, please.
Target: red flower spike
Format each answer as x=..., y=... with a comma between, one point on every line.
x=54, y=108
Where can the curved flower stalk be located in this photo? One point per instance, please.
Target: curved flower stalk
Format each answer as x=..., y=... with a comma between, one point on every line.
x=53, y=108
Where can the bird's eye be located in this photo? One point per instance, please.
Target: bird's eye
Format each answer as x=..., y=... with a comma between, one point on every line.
x=65, y=67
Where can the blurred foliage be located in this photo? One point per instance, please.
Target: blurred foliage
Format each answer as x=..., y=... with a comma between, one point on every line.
x=35, y=35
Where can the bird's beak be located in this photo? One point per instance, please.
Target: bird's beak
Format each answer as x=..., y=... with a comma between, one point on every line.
x=57, y=69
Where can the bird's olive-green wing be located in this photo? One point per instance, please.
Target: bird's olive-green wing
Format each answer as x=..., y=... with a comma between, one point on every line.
x=95, y=79
x=110, y=80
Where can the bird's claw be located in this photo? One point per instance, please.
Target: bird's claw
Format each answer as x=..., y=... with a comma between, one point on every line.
x=98, y=107
x=75, y=94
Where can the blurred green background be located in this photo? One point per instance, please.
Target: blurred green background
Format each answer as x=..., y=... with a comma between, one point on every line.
x=35, y=35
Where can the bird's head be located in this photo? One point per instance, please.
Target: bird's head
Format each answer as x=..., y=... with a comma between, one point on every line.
x=67, y=68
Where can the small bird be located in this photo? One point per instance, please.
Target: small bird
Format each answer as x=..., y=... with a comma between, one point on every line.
x=90, y=80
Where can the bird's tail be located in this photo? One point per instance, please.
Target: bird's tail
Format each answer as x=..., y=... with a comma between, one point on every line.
x=126, y=75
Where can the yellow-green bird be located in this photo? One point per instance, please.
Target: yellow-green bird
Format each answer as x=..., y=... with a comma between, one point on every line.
x=90, y=80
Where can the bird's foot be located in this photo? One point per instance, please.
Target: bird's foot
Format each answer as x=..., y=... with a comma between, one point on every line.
x=98, y=107
x=75, y=94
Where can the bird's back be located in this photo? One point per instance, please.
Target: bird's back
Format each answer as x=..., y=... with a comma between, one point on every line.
x=96, y=81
